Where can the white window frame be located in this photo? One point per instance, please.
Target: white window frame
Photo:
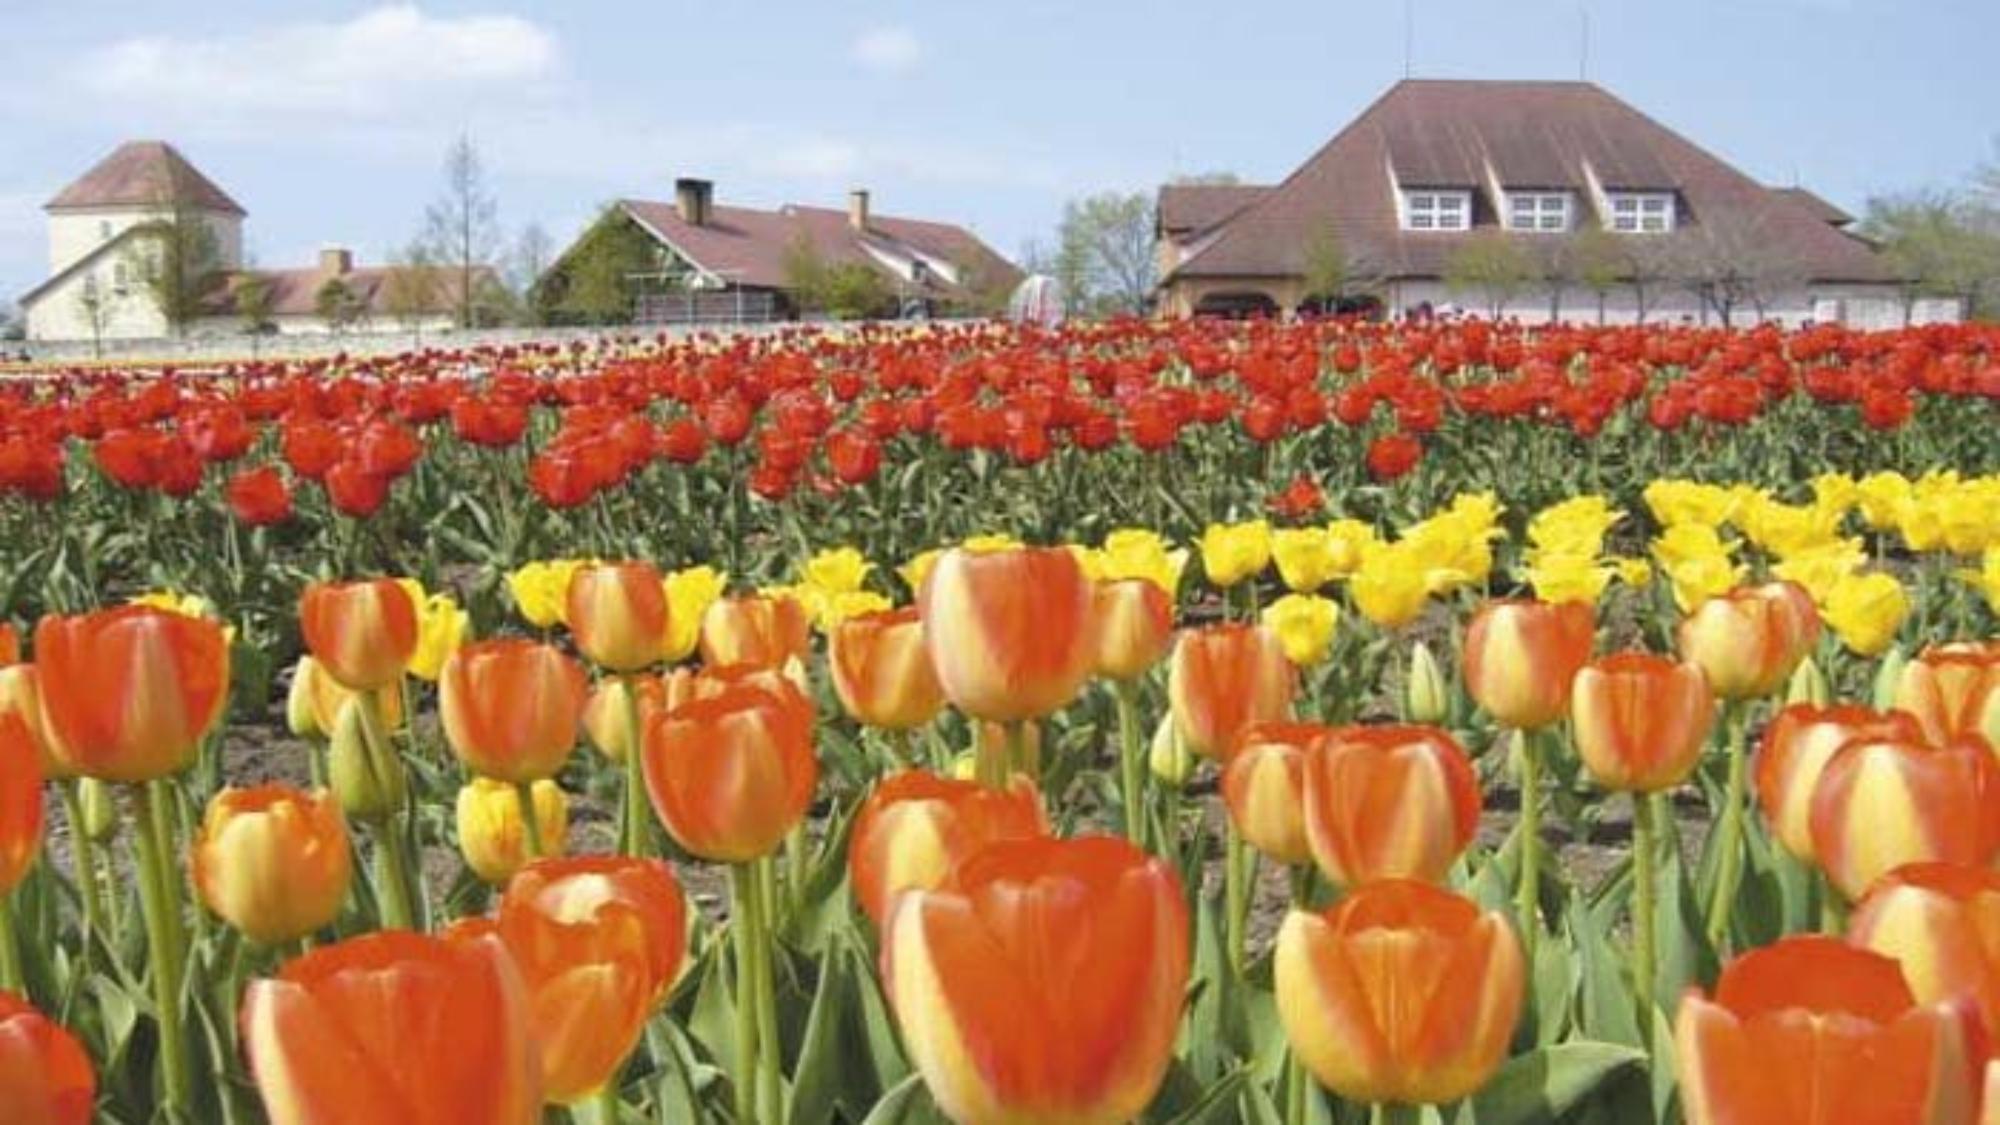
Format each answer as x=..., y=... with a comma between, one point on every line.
x=1432, y=210
x=1639, y=212
x=1542, y=212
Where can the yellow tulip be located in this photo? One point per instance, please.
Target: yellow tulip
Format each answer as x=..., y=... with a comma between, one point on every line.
x=1836, y=490
x=1560, y=578
x=1881, y=497
x=1576, y=526
x=442, y=626
x=1305, y=557
x=917, y=569
x=836, y=608
x=187, y=605
x=1390, y=588
x=1232, y=552
x=1865, y=610
x=1349, y=540
x=1820, y=567
x=840, y=570
x=1305, y=624
x=690, y=591
x=540, y=588
x=1987, y=578
x=490, y=835
x=1700, y=578
x=1633, y=572
x=1675, y=502
x=1132, y=552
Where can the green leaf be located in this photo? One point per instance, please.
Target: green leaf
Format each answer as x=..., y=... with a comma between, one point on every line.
x=908, y=1104
x=1548, y=1082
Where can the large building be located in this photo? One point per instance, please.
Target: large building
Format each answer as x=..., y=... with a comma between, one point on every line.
x=694, y=260
x=107, y=234
x=1497, y=198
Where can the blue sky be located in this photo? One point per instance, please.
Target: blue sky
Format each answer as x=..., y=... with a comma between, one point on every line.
x=327, y=120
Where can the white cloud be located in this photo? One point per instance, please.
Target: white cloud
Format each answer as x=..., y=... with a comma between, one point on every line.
x=891, y=50
x=374, y=64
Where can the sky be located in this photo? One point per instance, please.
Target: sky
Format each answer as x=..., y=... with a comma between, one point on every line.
x=328, y=121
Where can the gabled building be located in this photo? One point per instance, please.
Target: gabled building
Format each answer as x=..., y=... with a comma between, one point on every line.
x=1443, y=180
x=108, y=231
x=694, y=260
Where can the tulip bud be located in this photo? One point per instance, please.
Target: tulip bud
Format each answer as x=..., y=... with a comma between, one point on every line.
x=272, y=861
x=1809, y=685
x=1888, y=675
x=368, y=778
x=1170, y=759
x=100, y=810
x=490, y=833
x=1426, y=698
x=300, y=717
x=604, y=715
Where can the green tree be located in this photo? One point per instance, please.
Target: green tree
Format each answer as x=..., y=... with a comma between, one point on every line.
x=175, y=257
x=338, y=304
x=1937, y=245
x=1324, y=278
x=1494, y=265
x=1105, y=259
x=594, y=281
x=843, y=290
x=253, y=296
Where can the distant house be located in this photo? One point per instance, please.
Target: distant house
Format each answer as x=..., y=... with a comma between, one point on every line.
x=110, y=229
x=1433, y=168
x=693, y=260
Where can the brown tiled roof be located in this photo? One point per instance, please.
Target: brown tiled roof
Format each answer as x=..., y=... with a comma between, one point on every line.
x=1530, y=134
x=746, y=246
x=295, y=292
x=1191, y=208
x=142, y=173
x=1817, y=204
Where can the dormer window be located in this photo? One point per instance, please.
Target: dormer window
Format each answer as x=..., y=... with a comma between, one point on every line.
x=1437, y=210
x=1546, y=211
x=1641, y=212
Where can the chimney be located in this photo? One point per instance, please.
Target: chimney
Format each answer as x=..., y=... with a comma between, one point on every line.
x=692, y=199
x=336, y=261
x=857, y=208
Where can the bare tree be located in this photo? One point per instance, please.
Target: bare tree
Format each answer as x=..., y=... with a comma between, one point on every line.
x=534, y=251
x=1730, y=260
x=413, y=290
x=1596, y=262
x=1106, y=256
x=1494, y=264
x=91, y=301
x=1647, y=265
x=461, y=227
x=175, y=256
x=253, y=296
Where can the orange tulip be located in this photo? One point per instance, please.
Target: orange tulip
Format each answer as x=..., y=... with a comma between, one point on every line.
x=1883, y=802
x=20, y=802
x=729, y=775
x=1812, y=1031
x=21, y=698
x=129, y=693
x=915, y=827
x=45, y=1076
x=1135, y=627
x=10, y=644
x=1639, y=720
x=1264, y=787
x=1402, y=992
x=511, y=707
x=394, y=1026
x=1224, y=678
x=766, y=630
x=598, y=939
x=604, y=712
x=1954, y=690
x=362, y=633
x=1522, y=655
x=618, y=614
x=881, y=671
x=1749, y=640
x=272, y=861
x=1388, y=802
x=1941, y=922
x=1009, y=632
x=1044, y=982
x=1797, y=744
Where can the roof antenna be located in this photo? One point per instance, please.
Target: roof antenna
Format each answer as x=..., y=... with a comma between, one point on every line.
x=1583, y=54
x=1409, y=34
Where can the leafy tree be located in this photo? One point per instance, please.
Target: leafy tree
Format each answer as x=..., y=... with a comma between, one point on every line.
x=533, y=253
x=1493, y=264
x=338, y=304
x=1729, y=260
x=1325, y=275
x=843, y=291
x=592, y=282
x=253, y=295
x=461, y=230
x=1938, y=245
x=175, y=256
x=1105, y=259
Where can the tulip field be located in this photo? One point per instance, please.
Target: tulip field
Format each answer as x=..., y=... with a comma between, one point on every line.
x=1202, y=722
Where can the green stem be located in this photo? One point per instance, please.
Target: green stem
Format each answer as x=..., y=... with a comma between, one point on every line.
x=11, y=977
x=745, y=905
x=902, y=749
x=531, y=825
x=1832, y=908
x=989, y=761
x=795, y=868
x=1527, y=895
x=634, y=839
x=770, y=1051
x=157, y=883
x=1394, y=1113
x=1645, y=888
x=1132, y=760
x=1239, y=868
x=1296, y=1078
x=1729, y=830
x=603, y=1108
x=399, y=911
x=83, y=857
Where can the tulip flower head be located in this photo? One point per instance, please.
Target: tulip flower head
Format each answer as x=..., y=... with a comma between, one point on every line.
x=1812, y=1031
x=1749, y=640
x=1305, y=625
x=1936, y=920
x=1797, y=744
x=1222, y=679
x=1264, y=787
x=916, y=827
x=45, y=1075
x=363, y=634
x=1231, y=553
x=618, y=614
x=272, y=861
x=1043, y=982
x=1521, y=658
x=395, y=1026
x=1402, y=992
x=1009, y=631
x=1883, y=802
x=491, y=835
x=511, y=707
x=1640, y=720
x=20, y=801
x=1954, y=690
x=881, y=671
x=1388, y=802
x=1134, y=627
x=731, y=773
x=128, y=694
x=766, y=630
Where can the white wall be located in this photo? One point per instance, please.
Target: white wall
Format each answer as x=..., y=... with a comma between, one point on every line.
x=74, y=233
x=61, y=313
x=1861, y=306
